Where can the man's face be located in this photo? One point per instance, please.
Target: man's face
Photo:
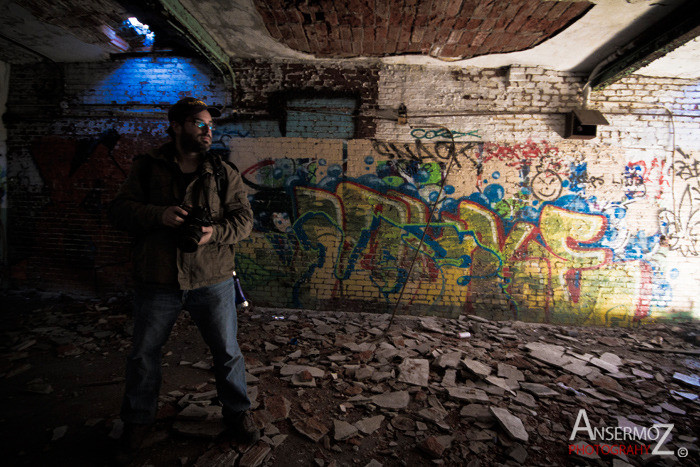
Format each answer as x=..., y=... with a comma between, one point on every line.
x=194, y=134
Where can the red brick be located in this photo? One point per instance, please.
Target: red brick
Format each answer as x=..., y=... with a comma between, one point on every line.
x=521, y=17
x=453, y=7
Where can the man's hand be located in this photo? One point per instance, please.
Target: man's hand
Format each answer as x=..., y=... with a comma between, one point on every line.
x=208, y=230
x=174, y=216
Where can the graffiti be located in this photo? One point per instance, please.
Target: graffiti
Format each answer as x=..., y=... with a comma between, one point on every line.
x=640, y=176
x=422, y=133
x=685, y=168
x=357, y=235
x=633, y=181
x=517, y=155
x=546, y=186
x=86, y=148
x=580, y=179
x=477, y=153
x=227, y=133
x=543, y=254
x=682, y=227
x=417, y=151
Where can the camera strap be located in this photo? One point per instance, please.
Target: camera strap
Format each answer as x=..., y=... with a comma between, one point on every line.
x=198, y=191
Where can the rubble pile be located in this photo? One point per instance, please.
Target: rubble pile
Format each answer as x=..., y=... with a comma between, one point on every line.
x=348, y=389
x=65, y=326
x=470, y=390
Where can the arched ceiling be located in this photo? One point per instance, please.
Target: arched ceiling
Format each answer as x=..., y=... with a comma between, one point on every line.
x=449, y=29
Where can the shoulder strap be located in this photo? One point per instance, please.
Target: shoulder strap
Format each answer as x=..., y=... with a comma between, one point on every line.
x=220, y=173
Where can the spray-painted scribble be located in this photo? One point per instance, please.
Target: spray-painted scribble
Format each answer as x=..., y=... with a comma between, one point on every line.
x=682, y=227
x=422, y=133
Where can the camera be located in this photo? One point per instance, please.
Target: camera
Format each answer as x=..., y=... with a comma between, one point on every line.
x=190, y=233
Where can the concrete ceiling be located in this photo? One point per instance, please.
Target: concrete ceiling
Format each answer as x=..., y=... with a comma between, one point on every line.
x=567, y=35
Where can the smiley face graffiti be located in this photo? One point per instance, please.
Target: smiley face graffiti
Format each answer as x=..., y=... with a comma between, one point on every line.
x=546, y=186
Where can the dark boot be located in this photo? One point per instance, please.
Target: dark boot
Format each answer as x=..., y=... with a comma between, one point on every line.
x=131, y=441
x=241, y=428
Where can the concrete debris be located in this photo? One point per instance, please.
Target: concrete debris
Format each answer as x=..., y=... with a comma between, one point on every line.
x=311, y=427
x=518, y=454
x=291, y=370
x=432, y=447
x=208, y=428
x=468, y=394
x=193, y=412
x=217, y=458
x=59, y=432
x=304, y=378
x=449, y=360
x=478, y=412
x=510, y=372
x=510, y=423
x=255, y=456
x=525, y=399
x=202, y=365
x=414, y=371
x=392, y=400
x=605, y=365
x=507, y=395
x=370, y=425
x=433, y=414
x=691, y=380
x=278, y=407
x=477, y=368
x=450, y=379
x=403, y=423
x=343, y=430
x=539, y=390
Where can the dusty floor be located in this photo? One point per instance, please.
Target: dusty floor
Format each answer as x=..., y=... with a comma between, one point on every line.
x=335, y=389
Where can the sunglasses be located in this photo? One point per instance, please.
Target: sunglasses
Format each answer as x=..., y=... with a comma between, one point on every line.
x=202, y=124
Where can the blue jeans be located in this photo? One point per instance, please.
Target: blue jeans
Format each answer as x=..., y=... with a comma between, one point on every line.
x=213, y=310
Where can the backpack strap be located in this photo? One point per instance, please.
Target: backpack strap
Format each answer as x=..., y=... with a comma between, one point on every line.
x=219, y=174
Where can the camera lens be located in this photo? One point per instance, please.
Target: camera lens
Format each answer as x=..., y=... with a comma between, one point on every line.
x=188, y=241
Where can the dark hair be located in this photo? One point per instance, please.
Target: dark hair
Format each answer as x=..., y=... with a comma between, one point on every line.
x=170, y=130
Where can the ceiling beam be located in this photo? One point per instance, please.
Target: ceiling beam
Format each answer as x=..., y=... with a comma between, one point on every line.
x=201, y=40
x=172, y=17
x=675, y=29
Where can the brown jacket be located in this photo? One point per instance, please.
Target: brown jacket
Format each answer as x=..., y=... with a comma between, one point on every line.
x=157, y=260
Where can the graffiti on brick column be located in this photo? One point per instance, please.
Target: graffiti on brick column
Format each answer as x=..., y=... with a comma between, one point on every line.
x=538, y=247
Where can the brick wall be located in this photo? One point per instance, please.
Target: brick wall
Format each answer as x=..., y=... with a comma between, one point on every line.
x=525, y=224
x=72, y=133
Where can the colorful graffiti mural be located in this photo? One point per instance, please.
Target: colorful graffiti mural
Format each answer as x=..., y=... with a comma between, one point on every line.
x=537, y=245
